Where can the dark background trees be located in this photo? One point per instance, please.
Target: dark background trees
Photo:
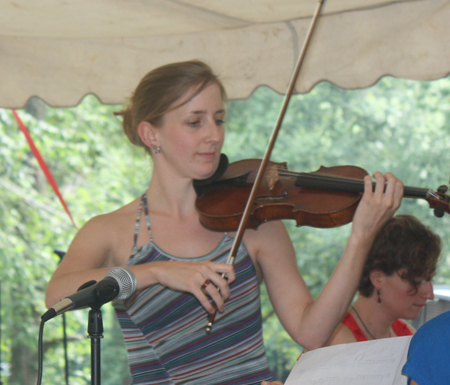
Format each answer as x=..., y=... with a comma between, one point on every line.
x=397, y=125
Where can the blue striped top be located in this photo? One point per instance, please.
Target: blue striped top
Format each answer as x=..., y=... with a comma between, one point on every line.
x=164, y=329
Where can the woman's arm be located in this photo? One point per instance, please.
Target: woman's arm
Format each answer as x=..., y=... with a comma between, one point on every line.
x=100, y=245
x=311, y=323
x=88, y=258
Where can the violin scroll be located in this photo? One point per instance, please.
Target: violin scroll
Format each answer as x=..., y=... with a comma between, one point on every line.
x=440, y=201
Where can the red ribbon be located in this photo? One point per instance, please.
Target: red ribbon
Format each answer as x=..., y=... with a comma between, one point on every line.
x=43, y=165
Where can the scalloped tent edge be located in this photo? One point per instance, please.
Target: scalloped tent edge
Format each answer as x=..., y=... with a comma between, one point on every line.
x=60, y=51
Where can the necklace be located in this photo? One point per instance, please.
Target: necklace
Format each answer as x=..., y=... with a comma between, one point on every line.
x=363, y=324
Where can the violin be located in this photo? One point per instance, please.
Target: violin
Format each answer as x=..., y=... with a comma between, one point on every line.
x=324, y=198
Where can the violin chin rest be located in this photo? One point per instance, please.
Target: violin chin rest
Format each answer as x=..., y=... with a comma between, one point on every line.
x=200, y=184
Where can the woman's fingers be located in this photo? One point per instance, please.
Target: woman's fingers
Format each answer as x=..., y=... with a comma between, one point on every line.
x=216, y=286
x=389, y=189
x=397, y=188
x=379, y=204
x=204, y=295
x=205, y=280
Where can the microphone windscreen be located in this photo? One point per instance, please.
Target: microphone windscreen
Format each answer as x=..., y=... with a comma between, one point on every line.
x=126, y=279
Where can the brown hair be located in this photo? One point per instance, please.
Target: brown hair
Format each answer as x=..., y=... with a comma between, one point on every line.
x=405, y=244
x=161, y=90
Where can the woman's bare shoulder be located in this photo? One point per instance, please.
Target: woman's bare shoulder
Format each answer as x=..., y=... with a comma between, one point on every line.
x=341, y=335
x=107, y=234
x=115, y=218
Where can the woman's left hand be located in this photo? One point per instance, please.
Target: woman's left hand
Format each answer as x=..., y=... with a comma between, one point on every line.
x=376, y=207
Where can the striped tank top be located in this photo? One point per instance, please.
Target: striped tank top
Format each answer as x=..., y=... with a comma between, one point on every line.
x=164, y=329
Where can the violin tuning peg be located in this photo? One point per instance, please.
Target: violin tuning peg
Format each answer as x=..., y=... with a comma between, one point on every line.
x=442, y=189
x=439, y=212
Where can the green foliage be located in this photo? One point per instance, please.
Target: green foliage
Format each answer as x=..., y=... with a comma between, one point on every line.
x=90, y=160
x=397, y=125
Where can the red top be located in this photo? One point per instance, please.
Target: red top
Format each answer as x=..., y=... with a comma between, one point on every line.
x=400, y=328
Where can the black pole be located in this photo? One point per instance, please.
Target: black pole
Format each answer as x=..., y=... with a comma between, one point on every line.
x=95, y=333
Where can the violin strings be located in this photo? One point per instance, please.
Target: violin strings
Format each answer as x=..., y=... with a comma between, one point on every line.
x=333, y=181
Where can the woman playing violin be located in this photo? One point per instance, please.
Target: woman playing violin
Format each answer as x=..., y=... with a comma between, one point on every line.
x=177, y=114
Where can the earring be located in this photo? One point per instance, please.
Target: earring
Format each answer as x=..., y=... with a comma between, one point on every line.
x=379, y=297
x=156, y=149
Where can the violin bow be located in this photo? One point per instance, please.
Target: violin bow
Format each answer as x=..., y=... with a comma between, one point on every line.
x=240, y=231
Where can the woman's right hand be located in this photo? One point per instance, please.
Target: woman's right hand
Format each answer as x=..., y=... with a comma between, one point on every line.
x=189, y=276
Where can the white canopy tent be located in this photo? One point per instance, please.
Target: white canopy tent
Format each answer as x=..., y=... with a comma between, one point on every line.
x=60, y=50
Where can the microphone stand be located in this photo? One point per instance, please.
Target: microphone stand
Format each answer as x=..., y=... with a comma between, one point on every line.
x=95, y=333
x=103, y=293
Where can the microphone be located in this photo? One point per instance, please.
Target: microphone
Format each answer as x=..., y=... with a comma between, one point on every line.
x=119, y=283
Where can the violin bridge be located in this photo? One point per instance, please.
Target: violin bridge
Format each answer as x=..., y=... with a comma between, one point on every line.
x=272, y=176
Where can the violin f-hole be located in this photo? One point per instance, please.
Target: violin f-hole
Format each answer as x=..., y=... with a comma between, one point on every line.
x=284, y=193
